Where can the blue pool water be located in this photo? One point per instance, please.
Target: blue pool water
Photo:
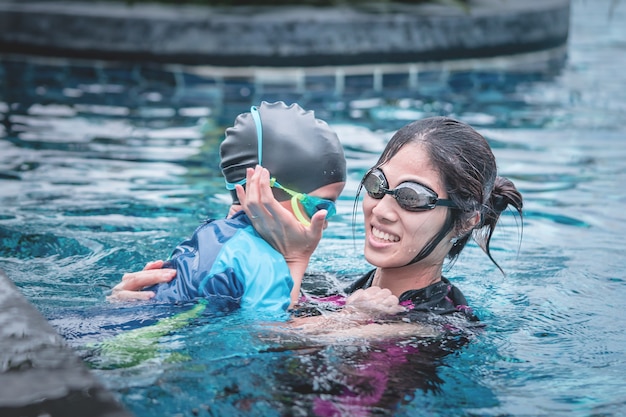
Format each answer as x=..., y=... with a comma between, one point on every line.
x=105, y=167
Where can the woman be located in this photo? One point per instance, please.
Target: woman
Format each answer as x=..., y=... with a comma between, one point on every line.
x=433, y=188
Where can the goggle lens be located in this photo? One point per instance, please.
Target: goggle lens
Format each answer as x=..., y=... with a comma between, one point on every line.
x=413, y=196
x=374, y=183
x=312, y=205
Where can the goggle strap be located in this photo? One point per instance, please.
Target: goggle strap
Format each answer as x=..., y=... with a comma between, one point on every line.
x=295, y=198
x=297, y=212
x=256, y=116
x=231, y=185
x=259, y=132
x=446, y=203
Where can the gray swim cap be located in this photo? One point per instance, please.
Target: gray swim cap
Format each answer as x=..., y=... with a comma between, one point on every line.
x=303, y=153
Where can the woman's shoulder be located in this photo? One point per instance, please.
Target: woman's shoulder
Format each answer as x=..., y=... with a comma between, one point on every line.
x=440, y=298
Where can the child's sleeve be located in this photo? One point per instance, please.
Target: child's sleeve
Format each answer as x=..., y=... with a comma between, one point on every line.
x=229, y=266
x=199, y=267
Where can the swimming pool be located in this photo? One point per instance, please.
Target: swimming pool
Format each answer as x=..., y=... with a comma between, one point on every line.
x=103, y=168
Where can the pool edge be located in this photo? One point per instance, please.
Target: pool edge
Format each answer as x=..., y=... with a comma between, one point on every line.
x=39, y=374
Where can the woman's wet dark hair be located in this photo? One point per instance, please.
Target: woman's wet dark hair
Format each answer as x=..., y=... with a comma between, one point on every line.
x=468, y=169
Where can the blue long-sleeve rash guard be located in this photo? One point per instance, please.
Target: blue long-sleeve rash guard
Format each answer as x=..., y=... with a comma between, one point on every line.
x=228, y=262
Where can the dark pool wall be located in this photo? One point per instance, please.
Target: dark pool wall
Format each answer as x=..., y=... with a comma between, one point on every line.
x=39, y=374
x=375, y=33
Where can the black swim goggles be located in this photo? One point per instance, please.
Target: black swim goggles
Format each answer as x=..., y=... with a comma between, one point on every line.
x=410, y=195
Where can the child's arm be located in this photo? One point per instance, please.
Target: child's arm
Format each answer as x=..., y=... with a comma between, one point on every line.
x=279, y=227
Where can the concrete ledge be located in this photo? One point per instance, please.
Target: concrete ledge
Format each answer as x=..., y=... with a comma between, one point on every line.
x=39, y=374
x=285, y=36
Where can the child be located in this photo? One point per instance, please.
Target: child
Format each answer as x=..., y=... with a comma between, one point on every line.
x=226, y=261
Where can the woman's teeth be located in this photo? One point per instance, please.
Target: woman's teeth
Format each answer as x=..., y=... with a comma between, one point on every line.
x=379, y=234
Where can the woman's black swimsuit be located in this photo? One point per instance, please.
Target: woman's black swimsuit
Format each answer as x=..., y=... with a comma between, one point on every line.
x=439, y=298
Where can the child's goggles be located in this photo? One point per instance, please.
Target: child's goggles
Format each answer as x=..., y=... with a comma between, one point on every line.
x=410, y=195
x=309, y=203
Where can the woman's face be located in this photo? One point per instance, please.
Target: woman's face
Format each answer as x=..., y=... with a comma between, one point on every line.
x=393, y=235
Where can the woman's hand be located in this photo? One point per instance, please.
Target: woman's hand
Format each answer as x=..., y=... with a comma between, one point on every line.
x=133, y=282
x=373, y=301
x=277, y=225
x=358, y=319
x=362, y=307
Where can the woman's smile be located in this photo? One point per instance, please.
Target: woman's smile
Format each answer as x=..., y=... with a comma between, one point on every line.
x=384, y=236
